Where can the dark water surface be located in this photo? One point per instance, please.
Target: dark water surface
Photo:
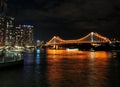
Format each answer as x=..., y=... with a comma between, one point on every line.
x=91, y=69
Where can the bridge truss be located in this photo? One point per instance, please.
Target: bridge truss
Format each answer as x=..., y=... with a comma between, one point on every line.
x=92, y=37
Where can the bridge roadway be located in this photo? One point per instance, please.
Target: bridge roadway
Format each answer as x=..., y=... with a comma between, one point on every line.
x=83, y=42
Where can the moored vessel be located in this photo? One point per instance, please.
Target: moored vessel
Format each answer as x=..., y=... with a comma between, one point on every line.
x=11, y=58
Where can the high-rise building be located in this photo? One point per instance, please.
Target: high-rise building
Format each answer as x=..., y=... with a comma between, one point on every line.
x=6, y=30
x=3, y=7
x=9, y=31
x=11, y=36
x=2, y=31
x=6, y=26
x=24, y=35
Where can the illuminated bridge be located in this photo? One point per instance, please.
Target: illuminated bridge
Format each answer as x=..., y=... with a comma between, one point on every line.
x=91, y=41
x=92, y=37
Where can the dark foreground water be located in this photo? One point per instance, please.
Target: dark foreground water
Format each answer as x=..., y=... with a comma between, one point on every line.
x=90, y=69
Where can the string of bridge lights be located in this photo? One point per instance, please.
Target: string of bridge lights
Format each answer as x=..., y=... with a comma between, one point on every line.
x=87, y=38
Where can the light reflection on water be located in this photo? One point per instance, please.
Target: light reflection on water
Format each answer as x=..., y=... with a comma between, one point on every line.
x=89, y=69
x=85, y=70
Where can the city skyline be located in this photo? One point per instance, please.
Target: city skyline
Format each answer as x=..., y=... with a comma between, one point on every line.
x=67, y=19
x=11, y=35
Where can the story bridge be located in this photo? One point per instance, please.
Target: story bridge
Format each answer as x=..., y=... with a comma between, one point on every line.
x=91, y=38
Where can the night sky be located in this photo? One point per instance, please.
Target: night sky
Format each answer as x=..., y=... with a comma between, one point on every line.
x=69, y=19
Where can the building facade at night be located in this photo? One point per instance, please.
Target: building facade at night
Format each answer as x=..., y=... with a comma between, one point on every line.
x=24, y=35
x=10, y=35
x=6, y=31
x=6, y=26
x=15, y=36
x=2, y=31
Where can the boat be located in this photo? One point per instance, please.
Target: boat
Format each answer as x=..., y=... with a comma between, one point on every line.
x=10, y=58
x=74, y=49
x=92, y=50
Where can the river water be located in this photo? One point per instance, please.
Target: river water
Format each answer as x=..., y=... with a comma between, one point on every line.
x=90, y=69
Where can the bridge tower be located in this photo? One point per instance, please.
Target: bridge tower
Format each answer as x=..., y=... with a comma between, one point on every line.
x=55, y=41
x=91, y=37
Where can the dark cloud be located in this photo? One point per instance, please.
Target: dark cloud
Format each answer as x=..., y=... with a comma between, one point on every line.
x=60, y=17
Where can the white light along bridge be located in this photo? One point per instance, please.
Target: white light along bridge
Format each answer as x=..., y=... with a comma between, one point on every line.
x=92, y=37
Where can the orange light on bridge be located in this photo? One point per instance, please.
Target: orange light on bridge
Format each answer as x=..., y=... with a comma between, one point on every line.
x=95, y=37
